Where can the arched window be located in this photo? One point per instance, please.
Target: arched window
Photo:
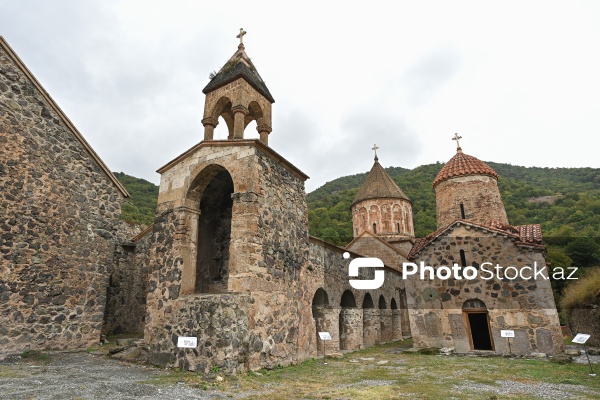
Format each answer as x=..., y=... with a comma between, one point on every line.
x=348, y=300
x=368, y=301
x=463, y=258
x=374, y=228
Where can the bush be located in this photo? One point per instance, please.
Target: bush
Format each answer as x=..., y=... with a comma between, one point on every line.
x=583, y=292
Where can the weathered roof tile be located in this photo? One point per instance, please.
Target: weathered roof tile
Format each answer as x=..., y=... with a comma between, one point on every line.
x=463, y=164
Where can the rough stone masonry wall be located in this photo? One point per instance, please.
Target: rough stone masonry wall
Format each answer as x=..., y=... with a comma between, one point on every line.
x=278, y=292
x=525, y=306
x=586, y=320
x=58, y=213
x=479, y=195
x=128, y=283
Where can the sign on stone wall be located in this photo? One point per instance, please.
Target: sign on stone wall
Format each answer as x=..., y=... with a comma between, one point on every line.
x=187, y=342
x=507, y=333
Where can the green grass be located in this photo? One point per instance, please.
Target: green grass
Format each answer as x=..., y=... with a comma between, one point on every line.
x=405, y=375
x=35, y=355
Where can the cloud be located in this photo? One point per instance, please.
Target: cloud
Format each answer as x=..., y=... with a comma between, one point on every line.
x=429, y=74
x=398, y=144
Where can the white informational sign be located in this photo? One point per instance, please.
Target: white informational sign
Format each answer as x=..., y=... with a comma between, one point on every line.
x=187, y=342
x=507, y=333
x=325, y=335
x=581, y=338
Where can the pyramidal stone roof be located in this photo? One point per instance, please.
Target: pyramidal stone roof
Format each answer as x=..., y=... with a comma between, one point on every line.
x=379, y=185
x=463, y=164
x=239, y=66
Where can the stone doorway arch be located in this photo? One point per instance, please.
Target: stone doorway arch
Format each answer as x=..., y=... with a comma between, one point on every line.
x=478, y=325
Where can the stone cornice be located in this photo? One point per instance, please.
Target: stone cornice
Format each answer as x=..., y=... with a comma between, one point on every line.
x=240, y=143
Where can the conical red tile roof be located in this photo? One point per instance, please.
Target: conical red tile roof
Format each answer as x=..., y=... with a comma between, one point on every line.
x=463, y=164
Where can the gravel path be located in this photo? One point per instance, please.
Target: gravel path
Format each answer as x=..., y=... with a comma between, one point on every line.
x=542, y=391
x=83, y=376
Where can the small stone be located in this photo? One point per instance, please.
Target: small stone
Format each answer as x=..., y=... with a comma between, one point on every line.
x=561, y=359
x=572, y=352
x=538, y=355
x=116, y=350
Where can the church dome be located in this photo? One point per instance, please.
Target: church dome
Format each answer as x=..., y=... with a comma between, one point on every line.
x=379, y=185
x=463, y=164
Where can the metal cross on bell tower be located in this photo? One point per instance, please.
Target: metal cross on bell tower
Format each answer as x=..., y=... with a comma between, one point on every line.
x=241, y=36
x=375, y=148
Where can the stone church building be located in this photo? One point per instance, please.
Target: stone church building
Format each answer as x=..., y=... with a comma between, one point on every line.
x=229, y=259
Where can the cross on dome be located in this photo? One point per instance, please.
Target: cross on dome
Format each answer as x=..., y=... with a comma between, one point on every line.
x=457, y=137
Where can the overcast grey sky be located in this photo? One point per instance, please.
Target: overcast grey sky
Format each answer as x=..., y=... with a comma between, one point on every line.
x=519, y=80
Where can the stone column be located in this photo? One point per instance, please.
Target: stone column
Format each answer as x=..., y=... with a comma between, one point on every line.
x=385, y=320
x=331, y=324
x=351, y=327
x=264, y=131
x=209, y=127
x=245, y=251
x=371, y=327
x=186, y=240
x=319, y=318
x=239, y=114
x=396, y=325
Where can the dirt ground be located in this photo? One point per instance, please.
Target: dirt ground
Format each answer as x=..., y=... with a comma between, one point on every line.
x=84, y=376
x=382, y=372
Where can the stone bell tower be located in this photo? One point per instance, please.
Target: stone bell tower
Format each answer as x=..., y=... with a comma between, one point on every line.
x=239, y=95
x=230, y=239
x=381, y=207
x=467, y=188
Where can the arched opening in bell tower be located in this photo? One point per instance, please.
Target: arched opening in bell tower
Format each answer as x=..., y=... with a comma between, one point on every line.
x=214, y=230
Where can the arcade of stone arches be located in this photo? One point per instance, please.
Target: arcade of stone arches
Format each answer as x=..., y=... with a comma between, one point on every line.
x=353, y=327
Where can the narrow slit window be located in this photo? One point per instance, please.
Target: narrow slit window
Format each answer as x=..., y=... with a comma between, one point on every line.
x=462, y=211
x=374, y=227
x=463, y=258
x=398, y=227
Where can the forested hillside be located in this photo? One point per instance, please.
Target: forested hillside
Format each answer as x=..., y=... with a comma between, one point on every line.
x=140, y=207
x=565, y=201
